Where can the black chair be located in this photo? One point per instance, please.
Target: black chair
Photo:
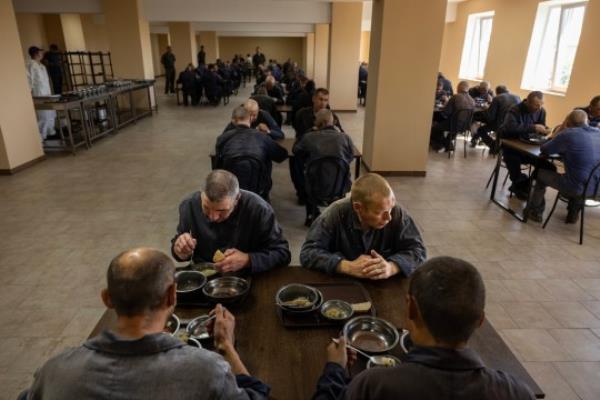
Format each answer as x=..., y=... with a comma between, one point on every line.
x=252, y=174
x=460, y=124
x=590, y=192
x=327, y=179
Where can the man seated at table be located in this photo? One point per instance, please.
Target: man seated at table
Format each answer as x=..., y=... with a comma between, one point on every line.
x=236, y=222
x=593, y=112
x=137, y=360
x=274, y=90
x=445, y=305
x=494, y=116
x=304, y=120
x=366, y=236
x=323, y=142
x=482, y=93
x=447, y=85
x=522, y=120
x=260, y=120
x=266, y=103
x=441, y=96
x=579, y=146
x=440, y=139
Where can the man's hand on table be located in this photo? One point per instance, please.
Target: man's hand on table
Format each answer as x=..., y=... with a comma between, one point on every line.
x=184, y=246
x=541, y=129
x=223, y=328
x=338, y=353
x=356, y=268
x=262, y=127
x=382, y=270
x=234, y=261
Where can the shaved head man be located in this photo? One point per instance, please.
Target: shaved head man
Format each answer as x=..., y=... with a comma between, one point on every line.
x=137, y=360
x=366, y=236
x=260, y=120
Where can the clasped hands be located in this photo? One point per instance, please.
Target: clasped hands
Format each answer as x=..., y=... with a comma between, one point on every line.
x=234, y=259
x=368, y=266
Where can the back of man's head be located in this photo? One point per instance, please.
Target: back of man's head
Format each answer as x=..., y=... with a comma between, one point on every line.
x=368, y=186
x=251, y=105
x=323, y=118
x=221, y=184
x=138, y=281
x=450, y=295
x=595, y=102
x=536, y=94
x=577, y=118
x=463, y=87
x=500, y=89
x=241, y=115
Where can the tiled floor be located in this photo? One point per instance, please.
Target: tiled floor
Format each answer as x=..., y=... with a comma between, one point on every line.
x=64, y=219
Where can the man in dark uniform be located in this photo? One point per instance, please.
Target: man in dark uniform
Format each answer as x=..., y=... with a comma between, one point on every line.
x=260, y=120
x=201, y=56
x=445, y=305
x=446, y=84
x=482, y=93
x=326, y=141
x=53, y=61
x=305, y=117
x=266, y=103
x=460, y=101
x=258, y=59
x=238, y=223
x=187, y=78
x=245, y=141
x=168, y=62
x=593, y=112
x=365, y=236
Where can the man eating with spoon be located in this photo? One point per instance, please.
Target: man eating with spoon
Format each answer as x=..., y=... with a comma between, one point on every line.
x=234, y=228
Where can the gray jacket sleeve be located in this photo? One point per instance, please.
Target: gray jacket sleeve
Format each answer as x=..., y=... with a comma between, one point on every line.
x=315, y=253
x=413, y=251
x=274, y=249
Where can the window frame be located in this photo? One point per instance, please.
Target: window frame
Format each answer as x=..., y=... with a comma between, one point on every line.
x=470, y=51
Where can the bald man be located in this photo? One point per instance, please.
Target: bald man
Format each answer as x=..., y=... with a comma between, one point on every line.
x=365, y=236
x=260, y=120
x=137, y=360
x=482, y=93
x=579, y=146
x=460, y=101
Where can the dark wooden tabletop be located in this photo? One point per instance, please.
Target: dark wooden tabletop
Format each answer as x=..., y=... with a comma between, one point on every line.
x=291, y=360
x=527, y=148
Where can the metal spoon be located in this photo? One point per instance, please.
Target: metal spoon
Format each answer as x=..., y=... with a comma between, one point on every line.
x=362, y=353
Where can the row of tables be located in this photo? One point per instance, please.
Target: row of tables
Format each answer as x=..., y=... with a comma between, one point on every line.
x=95, y=116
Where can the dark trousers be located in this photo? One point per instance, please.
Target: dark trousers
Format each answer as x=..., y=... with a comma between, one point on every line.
x=483, y=133
x=193, y=97
x=169, y=80
x=437, y=139
x=548, y=178
x=297, y=175
x=57, y=81
x=514, y=159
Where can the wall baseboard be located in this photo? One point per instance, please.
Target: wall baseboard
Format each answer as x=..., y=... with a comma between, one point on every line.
x=12, y=171
x=419, y=174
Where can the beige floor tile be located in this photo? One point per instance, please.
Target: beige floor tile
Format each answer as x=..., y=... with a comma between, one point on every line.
x=528, y=315
x=565, y=289
x=572, y=315
x=591, y=286
x=498, y=316
x=552, y=383
x=535, y=345
x=527, y=290
x=593, y=307
x=583, y=377
x=582, y=344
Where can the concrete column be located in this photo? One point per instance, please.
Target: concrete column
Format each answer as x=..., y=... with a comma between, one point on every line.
x=400, y=105
x=309, y=54
x=344, y=54
x=20, y=142
x=129, y=39
x=210, y=41
x=73, y=32
x=183, y=42
x=54, y=31
x=321, y=60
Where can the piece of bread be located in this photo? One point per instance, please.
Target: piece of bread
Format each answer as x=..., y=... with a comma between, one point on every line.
x=361, y=307
x=219, y=256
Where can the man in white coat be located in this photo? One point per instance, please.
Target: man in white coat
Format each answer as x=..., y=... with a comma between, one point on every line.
x=40, y=86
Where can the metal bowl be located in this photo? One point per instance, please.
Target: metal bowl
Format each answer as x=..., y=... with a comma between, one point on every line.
x=196, y=328
x=295, y=291
x=383, y=361
x=189, y=281
x=172, y=325
x=226, y=289
x=370, y=334
x=406, y=342
x=342, y=308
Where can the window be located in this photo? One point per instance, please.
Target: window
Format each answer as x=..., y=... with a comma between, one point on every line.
x=477, y=43
x=553, y=45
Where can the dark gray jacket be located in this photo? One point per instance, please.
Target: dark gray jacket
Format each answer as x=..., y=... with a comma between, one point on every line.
x=500, y=106
x=337, y=235
x=327, y=142
x=251, y=228
x=518, y=121
x=157, y=366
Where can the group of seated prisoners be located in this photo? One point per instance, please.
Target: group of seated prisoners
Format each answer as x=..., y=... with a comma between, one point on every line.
x=368, y=235
x=576, y=140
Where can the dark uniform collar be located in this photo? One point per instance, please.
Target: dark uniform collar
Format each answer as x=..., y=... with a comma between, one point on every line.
x=109, y=342
x=447, y=359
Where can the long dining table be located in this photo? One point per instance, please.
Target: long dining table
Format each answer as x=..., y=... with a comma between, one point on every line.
x=291, y=360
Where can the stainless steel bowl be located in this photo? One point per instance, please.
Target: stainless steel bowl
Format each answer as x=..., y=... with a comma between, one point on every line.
x=189, y=281
x=295, y=291
x=196, y=328
x=342, y=308
x=370, y=334
x=383, y=361
x=226, y=289
x=173, y=324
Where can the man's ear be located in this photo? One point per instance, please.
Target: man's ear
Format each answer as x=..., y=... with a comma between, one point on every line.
x=413, y=310
x=171, y=297
x=356, y=206
x=106, y=298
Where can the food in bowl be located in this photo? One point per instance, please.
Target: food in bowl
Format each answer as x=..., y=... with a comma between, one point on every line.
x=383, y=361
x=208, y=272
x=336, y=310
x=298, y=302
x=335, y=313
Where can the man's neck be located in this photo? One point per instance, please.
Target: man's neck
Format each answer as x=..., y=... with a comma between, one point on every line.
x=424, y=339
x=137, y=327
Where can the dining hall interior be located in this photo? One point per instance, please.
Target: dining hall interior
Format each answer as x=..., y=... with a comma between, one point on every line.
x=291, y=199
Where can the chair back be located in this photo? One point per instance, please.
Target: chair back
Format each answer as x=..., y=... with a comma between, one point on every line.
x=327, y=180
x=461, y=121
x=592, y=183
x=251, y=173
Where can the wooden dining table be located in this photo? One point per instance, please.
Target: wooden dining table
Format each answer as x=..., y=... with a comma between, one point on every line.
x=291, y=360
